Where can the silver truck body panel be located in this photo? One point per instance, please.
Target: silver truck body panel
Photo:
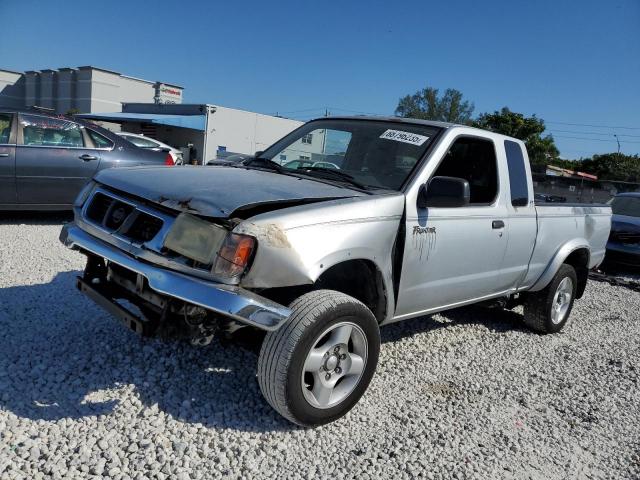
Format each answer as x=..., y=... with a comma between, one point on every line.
x=298, y=244
x=561, y=230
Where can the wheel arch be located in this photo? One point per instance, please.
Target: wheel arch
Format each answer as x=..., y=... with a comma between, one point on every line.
x=575, y=253
x=362, y=279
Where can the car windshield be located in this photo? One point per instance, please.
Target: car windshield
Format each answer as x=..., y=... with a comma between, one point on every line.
x=629, y=206
x=373, y=153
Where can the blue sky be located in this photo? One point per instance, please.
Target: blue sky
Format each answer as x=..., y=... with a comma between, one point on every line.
x=570, y=62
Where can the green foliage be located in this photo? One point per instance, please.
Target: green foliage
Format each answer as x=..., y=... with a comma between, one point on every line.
x=450, y=107
x=542, y=149
x=428, y=105
x=612, y=166
x=72, y=111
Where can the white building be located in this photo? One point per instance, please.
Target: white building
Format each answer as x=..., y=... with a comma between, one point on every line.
x=213, y=130
x=83, y=89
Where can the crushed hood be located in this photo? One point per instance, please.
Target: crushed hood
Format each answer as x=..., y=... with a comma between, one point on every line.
x=218, y=191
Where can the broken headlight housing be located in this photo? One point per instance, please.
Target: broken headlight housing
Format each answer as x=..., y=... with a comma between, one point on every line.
x=228, y=254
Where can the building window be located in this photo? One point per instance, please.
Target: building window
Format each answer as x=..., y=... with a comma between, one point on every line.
x=305, y=157
x=222, y=148
x=308, y=138
x=283, y=158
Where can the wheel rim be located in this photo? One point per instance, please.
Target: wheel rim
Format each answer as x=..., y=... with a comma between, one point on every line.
x=561, y=300
x=334, y=365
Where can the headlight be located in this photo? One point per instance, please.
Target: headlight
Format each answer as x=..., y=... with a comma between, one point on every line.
x=84, y=194
x=194, y=238
x=229, y=254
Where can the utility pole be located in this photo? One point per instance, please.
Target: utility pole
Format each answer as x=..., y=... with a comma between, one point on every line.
x=617, y=140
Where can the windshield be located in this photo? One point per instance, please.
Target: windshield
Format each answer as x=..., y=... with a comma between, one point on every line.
x=629, y=206
x=373, y=153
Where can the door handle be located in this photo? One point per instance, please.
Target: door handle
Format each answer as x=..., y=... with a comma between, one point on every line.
x=86, y=157
x=497, y=224
x=4, y=154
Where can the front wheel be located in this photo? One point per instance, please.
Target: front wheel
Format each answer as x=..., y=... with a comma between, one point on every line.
x=547, y=311
x=316, y=366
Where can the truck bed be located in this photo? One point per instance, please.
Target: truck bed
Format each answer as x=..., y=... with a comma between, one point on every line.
x=587, y=223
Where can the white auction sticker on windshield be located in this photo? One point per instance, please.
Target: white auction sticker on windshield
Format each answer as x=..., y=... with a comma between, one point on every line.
x=406, y=137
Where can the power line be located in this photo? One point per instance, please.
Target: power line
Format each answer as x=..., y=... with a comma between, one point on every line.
x=593, y=126
x=608, y=134
x=591, y=139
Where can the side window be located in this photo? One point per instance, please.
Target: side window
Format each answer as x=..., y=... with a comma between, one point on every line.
x=50, y=132
x=99, y=141
x=473, y=159
x=5, y=128
x=517, y=174
x=142, y=142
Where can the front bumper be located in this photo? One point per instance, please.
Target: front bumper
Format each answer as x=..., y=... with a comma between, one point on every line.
x=230, y=301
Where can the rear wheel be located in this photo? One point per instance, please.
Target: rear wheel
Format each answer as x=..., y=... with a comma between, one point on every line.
x=547, y=311
x=316, y=366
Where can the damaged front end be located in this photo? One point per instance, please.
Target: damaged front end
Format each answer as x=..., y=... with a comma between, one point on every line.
x=163, y=273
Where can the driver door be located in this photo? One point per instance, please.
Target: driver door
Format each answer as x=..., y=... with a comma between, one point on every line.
x=454, y=255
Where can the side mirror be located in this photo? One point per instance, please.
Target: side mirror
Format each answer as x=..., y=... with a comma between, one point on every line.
x=444, y=192
x=258, y=153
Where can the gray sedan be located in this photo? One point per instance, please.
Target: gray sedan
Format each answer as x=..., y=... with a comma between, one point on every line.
x=46, y=159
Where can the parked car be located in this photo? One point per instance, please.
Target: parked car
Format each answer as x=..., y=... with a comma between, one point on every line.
x=302, y=164
x=151, y=143
x=623, y=247
x=547, y=198
x=234, y=159
x=46, y=159
x=422, y=217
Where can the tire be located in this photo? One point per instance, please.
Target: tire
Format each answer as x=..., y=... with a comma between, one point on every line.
x=299, y=362
x=548, y=310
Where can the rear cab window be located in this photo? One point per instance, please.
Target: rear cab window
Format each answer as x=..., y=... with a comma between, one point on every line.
x=517, y=174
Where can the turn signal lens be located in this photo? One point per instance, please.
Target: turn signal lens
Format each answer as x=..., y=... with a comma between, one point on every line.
x=168, y=160
x=234, y=256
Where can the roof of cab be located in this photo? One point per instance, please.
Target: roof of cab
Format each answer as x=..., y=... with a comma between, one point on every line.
x=415, y=121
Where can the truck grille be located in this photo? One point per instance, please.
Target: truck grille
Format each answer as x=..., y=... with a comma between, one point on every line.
x=123, y=218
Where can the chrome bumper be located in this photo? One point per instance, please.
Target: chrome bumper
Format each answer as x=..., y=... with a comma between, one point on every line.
x=231, y=301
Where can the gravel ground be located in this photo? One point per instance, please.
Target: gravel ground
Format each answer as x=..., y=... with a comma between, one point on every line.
x=465, y=394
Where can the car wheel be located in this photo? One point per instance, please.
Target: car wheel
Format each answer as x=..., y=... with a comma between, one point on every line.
x=316, y=366
x=548, y=310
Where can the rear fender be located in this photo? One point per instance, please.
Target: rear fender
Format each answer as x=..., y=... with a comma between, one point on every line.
x=558, y=259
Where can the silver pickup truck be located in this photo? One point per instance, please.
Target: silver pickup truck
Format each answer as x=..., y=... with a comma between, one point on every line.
x=384, y=219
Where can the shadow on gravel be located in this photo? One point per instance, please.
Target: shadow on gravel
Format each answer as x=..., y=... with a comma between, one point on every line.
x=35, y=218
x=495, y=319
x=62, y=357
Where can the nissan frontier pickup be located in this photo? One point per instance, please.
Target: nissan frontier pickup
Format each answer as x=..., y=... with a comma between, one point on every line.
x=412, y=217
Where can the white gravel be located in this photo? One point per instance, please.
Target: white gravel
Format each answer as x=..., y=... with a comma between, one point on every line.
x=466, y=394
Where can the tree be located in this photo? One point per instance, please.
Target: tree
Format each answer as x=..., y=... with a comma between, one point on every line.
x=542, y=150
x=428, y=105
x=612, y=166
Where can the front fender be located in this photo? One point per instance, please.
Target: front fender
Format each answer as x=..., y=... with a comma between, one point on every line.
x=557, y=260
x=298, y=244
